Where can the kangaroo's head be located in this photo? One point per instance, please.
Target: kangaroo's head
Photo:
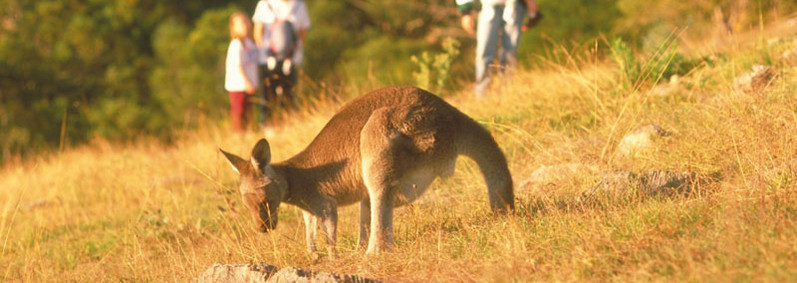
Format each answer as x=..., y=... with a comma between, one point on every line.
x=261, y=187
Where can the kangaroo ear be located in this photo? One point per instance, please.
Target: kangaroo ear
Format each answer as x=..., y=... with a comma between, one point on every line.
x=261, y=155
x=238, y=164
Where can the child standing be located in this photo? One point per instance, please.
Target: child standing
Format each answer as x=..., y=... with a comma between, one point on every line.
x=240, y=77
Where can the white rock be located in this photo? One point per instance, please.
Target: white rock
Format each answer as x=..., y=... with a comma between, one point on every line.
x=756, y=80
x=262, y=273
x=641, y=140
x=253, y=273
x=673, y=86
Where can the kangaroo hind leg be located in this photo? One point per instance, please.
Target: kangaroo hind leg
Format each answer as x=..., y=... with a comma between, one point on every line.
x=385, y=157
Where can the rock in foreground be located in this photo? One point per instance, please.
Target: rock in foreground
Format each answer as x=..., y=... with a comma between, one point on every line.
x=268, y=273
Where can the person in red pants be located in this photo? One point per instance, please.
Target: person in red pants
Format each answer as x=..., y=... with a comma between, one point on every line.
x=240, y=78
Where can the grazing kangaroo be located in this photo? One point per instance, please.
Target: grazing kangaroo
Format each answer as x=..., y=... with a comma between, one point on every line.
x=382, y=150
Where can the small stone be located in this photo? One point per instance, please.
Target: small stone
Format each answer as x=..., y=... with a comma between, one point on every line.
x=671, y=87
x=641, y=140
x=756, y=80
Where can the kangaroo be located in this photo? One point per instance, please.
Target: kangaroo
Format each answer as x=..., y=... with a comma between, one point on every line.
x=381, y=150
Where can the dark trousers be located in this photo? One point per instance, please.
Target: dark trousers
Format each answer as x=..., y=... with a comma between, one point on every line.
x=277, y=91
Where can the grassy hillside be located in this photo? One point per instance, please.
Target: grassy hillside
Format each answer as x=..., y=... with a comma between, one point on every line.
x=149, y=212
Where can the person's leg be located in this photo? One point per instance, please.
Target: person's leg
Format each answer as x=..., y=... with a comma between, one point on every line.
x=270, y=101
x=512, y=26
x=261, y=105
x=271, y=98
x=288, y=88
x=237, y=99
x=246, y=111
x=486, y=41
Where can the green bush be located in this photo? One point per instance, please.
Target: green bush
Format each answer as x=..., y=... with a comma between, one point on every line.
x=434, y=72
x=189, y=81
x=380, y=61
x=661, y=63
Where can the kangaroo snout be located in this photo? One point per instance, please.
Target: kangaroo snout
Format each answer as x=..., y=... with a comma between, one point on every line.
x=265, y=228
x=266, y=224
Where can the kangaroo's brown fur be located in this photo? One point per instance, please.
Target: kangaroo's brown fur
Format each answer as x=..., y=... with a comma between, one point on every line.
x=381, y=150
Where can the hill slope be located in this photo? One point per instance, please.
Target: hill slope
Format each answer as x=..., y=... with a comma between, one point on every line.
x=148, y=212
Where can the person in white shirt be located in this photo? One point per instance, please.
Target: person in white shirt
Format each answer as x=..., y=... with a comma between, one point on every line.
x=241, y=75
x=280, y=27
x=496, y=16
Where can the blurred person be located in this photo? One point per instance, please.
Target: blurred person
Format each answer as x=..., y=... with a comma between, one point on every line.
x=497, y=17
x=241, y=75
x=280, y=27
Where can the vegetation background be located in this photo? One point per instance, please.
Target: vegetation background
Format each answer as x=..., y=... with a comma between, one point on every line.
x=110, y=113
x=73, y=71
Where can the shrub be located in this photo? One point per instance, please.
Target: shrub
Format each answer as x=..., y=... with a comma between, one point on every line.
x=434, y=72
x=663, y=62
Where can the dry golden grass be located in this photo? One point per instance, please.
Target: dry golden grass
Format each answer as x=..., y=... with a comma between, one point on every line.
x=150, y=212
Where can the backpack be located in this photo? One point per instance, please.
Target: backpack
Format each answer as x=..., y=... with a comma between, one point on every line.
x=283, y=40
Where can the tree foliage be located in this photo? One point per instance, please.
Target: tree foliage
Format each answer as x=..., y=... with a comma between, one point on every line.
x=71, y=70
x=74, y=70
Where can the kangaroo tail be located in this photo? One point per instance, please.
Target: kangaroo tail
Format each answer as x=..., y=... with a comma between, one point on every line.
x=477, y=143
